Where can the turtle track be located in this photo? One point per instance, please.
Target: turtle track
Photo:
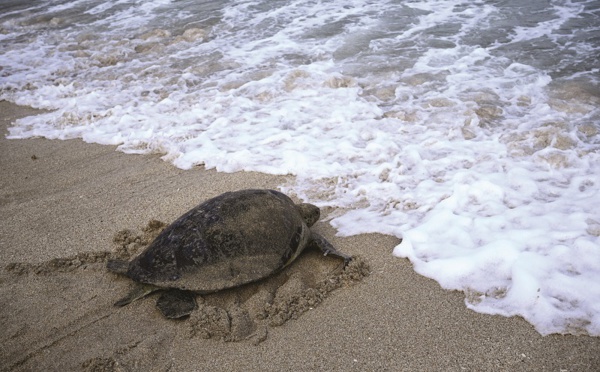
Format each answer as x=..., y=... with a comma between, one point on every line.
x=66, y=304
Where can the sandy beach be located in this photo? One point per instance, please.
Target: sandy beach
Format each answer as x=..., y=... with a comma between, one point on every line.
x=62, y=204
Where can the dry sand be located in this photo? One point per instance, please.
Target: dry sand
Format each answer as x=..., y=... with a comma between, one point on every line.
x=63, y=202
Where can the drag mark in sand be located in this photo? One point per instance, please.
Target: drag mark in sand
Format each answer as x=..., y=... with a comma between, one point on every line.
x=81, y=286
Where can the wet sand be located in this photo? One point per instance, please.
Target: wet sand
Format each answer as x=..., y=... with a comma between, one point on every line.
x=62, y=204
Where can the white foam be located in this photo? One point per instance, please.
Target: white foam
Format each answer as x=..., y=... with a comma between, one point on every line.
x=414, y=119
x=559, y=15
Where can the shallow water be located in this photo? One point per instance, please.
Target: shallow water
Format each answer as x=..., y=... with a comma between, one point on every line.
x=469, y=129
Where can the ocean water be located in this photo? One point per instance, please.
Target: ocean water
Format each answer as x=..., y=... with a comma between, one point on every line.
x=470, y=129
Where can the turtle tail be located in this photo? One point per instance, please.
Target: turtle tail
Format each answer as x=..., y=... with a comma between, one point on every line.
x=117, y=266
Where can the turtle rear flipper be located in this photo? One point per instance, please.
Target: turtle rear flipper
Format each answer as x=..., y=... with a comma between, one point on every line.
x=117, y=266
x=139, y=291
x=176, y=303
x=328, y=250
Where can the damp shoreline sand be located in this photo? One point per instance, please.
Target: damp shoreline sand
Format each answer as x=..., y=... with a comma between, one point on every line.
x=63, y=198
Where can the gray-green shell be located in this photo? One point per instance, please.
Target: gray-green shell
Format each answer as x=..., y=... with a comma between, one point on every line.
x=233, y=239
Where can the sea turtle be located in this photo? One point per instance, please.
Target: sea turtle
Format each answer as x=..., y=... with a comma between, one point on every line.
x=233, y=239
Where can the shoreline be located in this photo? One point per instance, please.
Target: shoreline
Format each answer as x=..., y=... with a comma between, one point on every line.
x=63, y=198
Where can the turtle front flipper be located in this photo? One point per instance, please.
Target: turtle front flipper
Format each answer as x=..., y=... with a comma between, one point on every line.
x=328, y=249
x=139, y=291
x=176, y=303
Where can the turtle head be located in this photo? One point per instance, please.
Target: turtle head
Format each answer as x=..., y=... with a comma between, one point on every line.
x=310, y=213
